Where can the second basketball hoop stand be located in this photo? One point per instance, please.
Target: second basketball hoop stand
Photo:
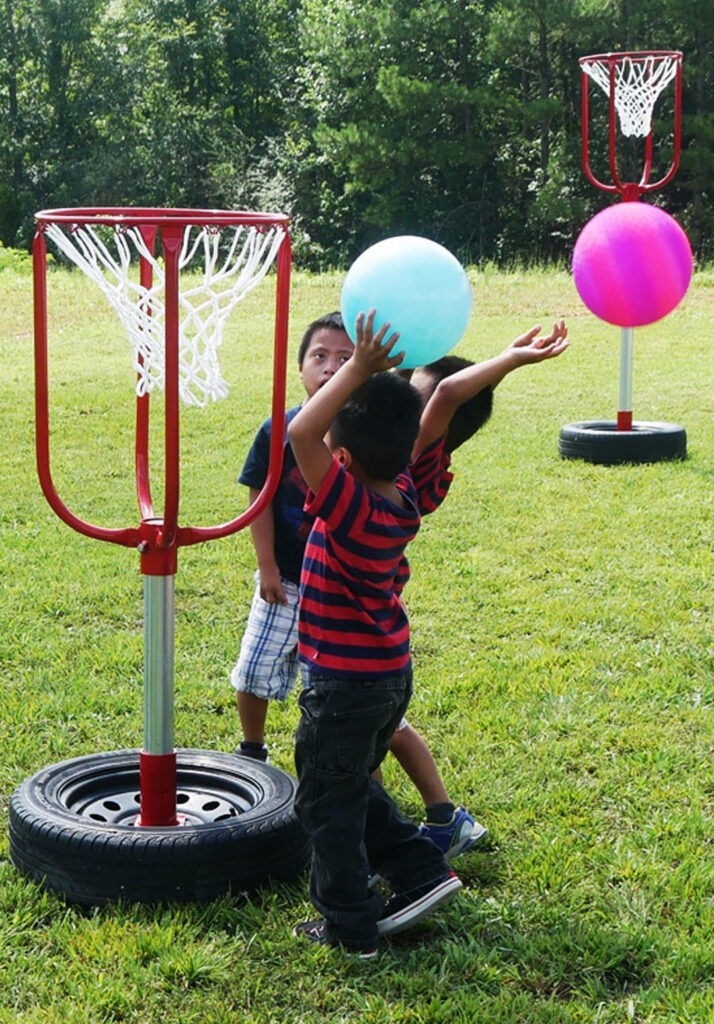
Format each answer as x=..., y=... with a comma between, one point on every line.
x=628, y=79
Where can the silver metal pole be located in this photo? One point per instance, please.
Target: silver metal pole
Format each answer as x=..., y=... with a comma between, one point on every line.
x=158, y=664
x=626, y=347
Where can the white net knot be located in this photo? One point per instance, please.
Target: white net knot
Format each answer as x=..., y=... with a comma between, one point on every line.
x=204, y=305
x=637, y=85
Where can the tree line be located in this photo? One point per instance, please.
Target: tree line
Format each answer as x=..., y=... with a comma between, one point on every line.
x=456, y=119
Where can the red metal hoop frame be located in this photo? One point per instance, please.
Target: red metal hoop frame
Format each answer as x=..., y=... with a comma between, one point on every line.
x=158, y=536
x=628, y=191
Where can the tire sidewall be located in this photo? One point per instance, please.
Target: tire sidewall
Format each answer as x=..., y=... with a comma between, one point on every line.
x=599, y=441
x=94, y=862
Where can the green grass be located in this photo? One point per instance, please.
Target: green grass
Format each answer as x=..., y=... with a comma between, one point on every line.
x=562, y=624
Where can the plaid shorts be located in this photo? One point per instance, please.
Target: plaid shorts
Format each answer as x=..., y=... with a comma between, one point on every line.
x=267, y=663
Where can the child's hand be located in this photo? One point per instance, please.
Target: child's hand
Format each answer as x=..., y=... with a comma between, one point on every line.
x=530, y=348
x=271, y=588
x=372, y=354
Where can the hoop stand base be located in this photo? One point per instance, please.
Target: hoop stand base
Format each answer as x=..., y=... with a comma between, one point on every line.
x=606, y=443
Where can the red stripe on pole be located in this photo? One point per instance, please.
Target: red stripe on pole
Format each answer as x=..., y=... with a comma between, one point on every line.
x=158, y=789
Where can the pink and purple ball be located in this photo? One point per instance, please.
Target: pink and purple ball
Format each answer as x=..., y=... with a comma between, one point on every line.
x=632, y=264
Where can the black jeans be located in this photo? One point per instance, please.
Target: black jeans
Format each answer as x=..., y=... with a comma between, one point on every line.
x=343, y=735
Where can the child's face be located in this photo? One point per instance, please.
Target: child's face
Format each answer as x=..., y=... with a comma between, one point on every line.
x=326, y=353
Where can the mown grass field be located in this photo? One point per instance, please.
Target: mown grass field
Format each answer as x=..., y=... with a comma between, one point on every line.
x=564, y=652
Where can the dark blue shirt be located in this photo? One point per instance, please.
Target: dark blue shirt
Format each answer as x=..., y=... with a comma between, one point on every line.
x=292, y=523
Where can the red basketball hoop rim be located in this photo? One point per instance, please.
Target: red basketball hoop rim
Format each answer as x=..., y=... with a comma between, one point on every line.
x=159, y=322
x=632, y=81
x=127, y=216
x=613, y=58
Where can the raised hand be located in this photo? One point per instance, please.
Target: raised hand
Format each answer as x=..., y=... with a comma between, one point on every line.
x=532, y=347
x=372, y=353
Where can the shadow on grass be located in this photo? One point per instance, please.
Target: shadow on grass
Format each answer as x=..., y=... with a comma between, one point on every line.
x=547, y=947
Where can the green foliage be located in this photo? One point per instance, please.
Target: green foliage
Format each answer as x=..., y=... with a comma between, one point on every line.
x=15, y=259
x=416, y=139
x=457, y=120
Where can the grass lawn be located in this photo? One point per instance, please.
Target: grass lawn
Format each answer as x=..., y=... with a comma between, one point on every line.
x=564, y=654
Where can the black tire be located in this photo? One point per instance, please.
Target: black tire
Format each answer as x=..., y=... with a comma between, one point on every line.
x=601, y=442
x=72, y=829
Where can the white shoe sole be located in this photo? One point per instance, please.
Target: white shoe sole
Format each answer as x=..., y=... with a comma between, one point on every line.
x=467, y=842
x=422, y=907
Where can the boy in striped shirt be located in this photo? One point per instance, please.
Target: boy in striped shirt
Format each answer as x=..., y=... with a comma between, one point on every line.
x=353, y=442
x=267, y=665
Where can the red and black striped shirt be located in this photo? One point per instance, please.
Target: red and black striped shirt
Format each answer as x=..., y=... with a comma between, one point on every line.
x=352, y=620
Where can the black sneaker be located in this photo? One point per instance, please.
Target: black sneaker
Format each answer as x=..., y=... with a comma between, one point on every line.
x=404, y=909
x=373, y=878
x=258, y=751
x=315, y=931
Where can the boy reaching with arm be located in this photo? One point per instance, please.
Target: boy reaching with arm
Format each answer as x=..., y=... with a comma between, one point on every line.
x=457, y=397
x=267, y=667
x=353, y=442
x=445, y=396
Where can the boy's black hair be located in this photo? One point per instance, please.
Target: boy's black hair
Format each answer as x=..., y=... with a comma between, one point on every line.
x=474, y=412
x=332, y=321
x=378, y=425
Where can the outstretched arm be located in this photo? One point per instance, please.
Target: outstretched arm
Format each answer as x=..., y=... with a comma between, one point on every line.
x=453, y=391
x=308, y=429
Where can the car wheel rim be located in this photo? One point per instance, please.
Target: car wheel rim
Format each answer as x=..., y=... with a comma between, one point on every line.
x=202, y=798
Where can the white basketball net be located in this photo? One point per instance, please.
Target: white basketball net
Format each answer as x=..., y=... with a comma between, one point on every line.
x=203, y=306
x=638, y=83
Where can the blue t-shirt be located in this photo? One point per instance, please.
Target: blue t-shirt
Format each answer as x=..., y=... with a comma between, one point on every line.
x=292, y=523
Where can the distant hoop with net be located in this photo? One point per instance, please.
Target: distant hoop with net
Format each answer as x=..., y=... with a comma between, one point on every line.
x=633, y=82
x=222, y=256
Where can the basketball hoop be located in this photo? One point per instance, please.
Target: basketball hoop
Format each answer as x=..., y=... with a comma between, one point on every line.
x=633, y=82
x=227, y=254
x=175, y=333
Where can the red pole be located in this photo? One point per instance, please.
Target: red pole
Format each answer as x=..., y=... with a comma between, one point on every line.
x=172, y=237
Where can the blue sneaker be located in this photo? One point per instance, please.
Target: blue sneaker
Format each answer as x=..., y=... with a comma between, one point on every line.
x=457, y=836
x=454, y=838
